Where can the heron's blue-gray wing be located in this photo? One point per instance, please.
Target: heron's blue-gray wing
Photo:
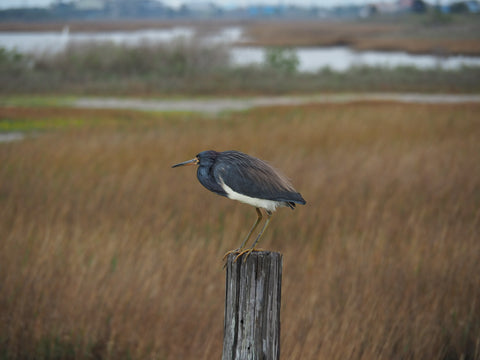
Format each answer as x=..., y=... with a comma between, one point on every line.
x=253, y=177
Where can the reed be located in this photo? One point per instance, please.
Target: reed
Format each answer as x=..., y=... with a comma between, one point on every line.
x=99, y=237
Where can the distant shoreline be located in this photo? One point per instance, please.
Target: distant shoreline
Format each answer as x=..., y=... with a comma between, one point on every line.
x=409, y=35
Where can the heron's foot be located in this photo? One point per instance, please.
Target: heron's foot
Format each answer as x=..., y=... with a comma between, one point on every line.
x=247, y=252
x=236, y=251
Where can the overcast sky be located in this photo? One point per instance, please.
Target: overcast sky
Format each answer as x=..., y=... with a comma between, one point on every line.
x=32, y=3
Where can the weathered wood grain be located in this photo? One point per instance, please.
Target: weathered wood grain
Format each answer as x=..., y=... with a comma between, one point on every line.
x=252, y=307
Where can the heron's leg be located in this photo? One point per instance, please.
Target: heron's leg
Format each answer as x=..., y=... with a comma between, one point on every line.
x=259, y=218
x=249, y=251
x=269, y=215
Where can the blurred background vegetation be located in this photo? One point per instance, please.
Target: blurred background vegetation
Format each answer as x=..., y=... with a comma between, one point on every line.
x=192, y=66
x=185, y=67
x=108, y=253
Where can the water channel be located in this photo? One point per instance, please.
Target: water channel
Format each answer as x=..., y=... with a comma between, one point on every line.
x=311, y=59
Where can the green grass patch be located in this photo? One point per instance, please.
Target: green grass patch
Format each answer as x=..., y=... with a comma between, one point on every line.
x=36, y=100
x=27, y=125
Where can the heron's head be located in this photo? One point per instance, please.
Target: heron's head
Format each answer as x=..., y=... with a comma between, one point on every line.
x=205, y=158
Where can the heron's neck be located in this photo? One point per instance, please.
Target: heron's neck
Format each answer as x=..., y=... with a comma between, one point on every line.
x=207, y=180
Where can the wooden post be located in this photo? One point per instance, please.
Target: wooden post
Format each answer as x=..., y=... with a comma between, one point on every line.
x=252, y=307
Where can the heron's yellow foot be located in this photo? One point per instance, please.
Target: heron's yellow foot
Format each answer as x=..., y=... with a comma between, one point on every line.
x=236, y=251
x=246, y=251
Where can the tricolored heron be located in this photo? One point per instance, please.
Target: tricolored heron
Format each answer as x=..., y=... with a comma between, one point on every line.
x=242, y=177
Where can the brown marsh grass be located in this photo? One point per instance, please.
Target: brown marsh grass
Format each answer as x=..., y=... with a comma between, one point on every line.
x=108, y=253
x=388, y=34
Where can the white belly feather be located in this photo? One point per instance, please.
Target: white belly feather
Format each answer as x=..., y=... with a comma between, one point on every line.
x=270, y=205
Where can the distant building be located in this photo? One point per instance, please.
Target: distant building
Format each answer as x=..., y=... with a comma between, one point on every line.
x=201, y=9
x=387, y=7
x=399, y=6
x=405, y=4
x=89, y=5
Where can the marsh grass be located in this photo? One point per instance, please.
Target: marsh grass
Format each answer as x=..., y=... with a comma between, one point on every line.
x=412, y=34
x=107, y=252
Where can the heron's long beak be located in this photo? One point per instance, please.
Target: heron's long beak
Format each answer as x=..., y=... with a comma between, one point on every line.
x=188, y=162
